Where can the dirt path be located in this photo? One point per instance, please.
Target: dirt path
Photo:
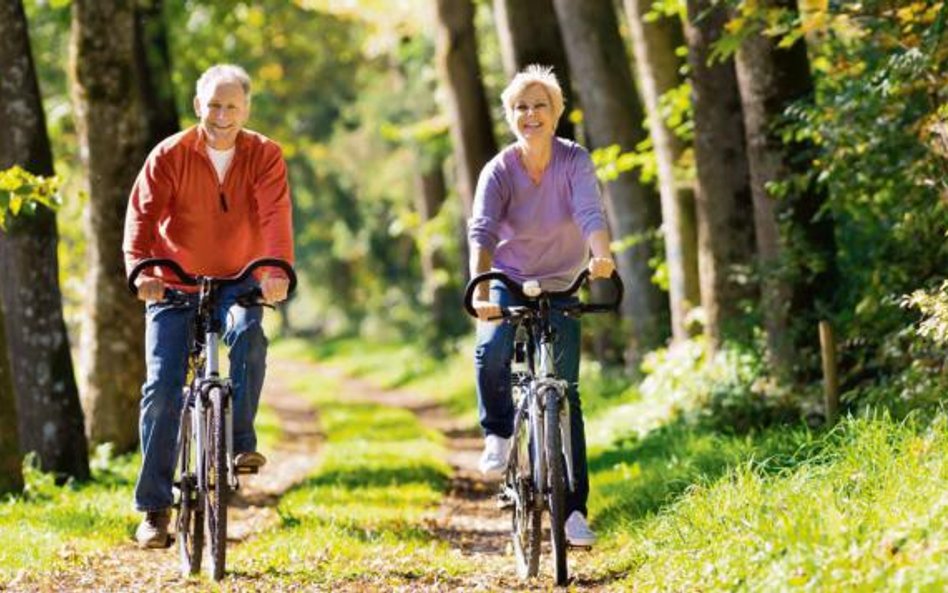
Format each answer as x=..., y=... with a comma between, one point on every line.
x=128, y=568
x=468, y=517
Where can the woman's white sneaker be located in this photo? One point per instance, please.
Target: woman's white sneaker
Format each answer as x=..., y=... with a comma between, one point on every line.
x=494, y=458
x=578, y=532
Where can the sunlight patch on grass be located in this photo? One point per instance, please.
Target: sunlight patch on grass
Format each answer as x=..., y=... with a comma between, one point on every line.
x=862, y=508
x=52, y=526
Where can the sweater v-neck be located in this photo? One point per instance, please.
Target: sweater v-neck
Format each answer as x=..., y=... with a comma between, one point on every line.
x=522, y=166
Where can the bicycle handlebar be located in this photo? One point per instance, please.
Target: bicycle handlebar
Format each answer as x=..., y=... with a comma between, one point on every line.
x=191, y=280
x=517, y=289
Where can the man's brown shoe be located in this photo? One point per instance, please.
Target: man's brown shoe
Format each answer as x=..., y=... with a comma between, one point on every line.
x=152, y=532
x=250, y=459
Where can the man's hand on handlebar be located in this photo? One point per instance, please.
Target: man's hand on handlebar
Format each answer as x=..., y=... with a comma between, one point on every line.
x=274, y=289
x=150, y=289
x=601, y=267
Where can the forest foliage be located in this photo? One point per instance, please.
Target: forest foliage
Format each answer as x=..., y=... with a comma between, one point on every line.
x=352, y=93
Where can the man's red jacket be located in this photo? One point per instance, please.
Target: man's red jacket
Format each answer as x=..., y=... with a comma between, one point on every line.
x=179, y=210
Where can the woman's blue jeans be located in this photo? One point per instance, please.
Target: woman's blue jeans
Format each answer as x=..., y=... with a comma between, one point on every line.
x=492, y=358
x=167, y=336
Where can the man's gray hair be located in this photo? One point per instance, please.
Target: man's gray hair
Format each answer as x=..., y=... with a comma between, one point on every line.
x=223, y=73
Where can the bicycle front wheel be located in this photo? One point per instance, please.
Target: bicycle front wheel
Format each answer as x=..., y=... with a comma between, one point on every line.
x=190, y=519
x=217, y=487
x=526, y=514
x=557, y=485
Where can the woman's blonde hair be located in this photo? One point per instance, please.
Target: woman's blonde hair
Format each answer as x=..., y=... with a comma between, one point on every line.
x=531, y=75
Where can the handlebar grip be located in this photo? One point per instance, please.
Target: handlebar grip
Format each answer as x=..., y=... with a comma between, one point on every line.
x=158, y=262
x=517, y=290
x=270, y=262
x=484, y=277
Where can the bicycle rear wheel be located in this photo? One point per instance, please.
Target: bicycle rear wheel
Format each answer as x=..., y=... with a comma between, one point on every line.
x=557, y=485
x=190, y=519
x=218, y=487
x=526, y=514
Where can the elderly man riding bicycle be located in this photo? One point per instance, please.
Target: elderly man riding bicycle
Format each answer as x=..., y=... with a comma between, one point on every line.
x=212, y=198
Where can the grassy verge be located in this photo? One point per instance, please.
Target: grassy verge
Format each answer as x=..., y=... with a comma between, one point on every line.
x=49, y=526
x=862, y=508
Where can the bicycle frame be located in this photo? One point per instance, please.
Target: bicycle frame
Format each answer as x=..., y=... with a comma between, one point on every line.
x=208, y=381
x=535, y=480
x=543, y=388
x=205, y=445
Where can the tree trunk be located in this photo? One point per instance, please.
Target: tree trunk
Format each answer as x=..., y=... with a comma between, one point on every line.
x=429, y=198
x=471, y=127
x=529, y=34
x=11, y=470
x=771, y=78
x=613, y=115
x=113, y=134
x=722, y=193
x=153, y=62
x=50, y=418
x=654, y=44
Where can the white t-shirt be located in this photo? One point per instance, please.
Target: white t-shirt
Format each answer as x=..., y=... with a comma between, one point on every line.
x=221, y=160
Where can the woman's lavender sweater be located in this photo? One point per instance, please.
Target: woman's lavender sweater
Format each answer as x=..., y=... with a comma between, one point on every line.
x=538, y=231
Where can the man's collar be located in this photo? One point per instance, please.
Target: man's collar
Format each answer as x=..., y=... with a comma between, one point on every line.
x=200, y=139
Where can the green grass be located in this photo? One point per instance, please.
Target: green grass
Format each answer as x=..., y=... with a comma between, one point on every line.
x=50, y=526
x=863, y=508
x=681, y=501
x=361, y=515
x=448, y=381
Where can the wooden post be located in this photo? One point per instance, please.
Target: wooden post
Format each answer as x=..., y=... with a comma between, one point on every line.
x=830, y=380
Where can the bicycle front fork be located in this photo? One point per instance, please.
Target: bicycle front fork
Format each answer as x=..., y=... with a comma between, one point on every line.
x=553, y=393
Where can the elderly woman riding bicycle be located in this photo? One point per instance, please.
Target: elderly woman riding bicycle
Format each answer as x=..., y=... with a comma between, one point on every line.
x=537, y=215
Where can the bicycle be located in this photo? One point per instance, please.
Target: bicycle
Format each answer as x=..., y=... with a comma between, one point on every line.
x=206, y=474
x=539, y=466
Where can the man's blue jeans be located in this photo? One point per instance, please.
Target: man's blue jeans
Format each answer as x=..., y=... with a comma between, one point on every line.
x=492, y=357
x=167, y=335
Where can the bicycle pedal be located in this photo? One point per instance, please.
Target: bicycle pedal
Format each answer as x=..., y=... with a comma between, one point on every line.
x=504, y=501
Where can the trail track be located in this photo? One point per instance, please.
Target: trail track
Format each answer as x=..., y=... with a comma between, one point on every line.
x=467, y=518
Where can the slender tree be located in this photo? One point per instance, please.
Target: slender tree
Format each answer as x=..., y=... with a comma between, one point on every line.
x=11, y=474
x=429, y=199
x=530, y=34
x=771, y=78
x=722, y=191
x=50, y=419
x=472, y=132
x=655, y=41
x=113, y=133
x=612, y=114
x=153, y=62
x=471, y=127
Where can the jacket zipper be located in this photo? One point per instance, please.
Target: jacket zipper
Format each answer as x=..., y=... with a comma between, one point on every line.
x=223, y=197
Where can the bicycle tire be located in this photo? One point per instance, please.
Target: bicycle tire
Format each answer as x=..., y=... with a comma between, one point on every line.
x=526, y=514
x=557, y=485
x=218, y=487
x=190, y=519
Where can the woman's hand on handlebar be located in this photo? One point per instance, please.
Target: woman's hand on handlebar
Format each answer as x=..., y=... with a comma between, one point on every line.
x=486, y=310
x=601, y=267
x=150, y=289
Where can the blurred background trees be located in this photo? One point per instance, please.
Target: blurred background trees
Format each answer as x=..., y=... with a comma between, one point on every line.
x=766, y=165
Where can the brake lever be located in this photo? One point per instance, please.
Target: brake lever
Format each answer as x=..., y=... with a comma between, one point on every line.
x=250, y=301
x=174, y=298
